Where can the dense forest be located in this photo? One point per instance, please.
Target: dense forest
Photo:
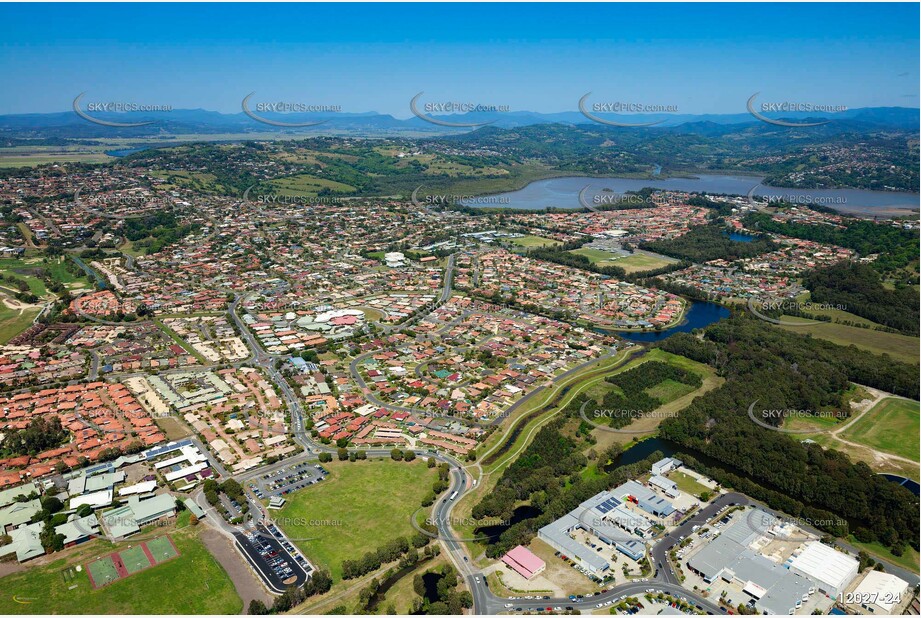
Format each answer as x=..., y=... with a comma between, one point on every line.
x=896, y=247
x=709, y=242
x=783, y=370
x=156, y=231
x=859, y=288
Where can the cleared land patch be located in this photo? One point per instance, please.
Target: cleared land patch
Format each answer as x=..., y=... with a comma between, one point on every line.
x=899, y=347
x=891, y=426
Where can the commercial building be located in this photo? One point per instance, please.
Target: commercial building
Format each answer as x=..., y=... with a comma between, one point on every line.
x=880, y=592
x=86, y=484
x=669, y=488
x=26, y=541
x=831, y=569
x=645, y=498
x=524, y=562
x=609, y=517
x=9, y=496
x=775, y=588
x=79, y=529
x=664, y=466
x=193, y=507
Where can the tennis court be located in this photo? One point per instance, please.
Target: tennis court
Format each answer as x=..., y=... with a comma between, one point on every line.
x=134, y=559
x=162, y=549
x=102, y=571
x=129, y=561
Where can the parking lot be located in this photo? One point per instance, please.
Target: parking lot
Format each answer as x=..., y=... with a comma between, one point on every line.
x=270, y=554
x=285, y=480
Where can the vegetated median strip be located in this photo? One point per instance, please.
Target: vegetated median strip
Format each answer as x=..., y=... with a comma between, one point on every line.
x=511, y=437
x=556, y=394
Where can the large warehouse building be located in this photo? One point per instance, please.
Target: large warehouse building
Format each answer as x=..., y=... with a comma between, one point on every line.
x=831, y=569
x=776, y=588
x=612, y=518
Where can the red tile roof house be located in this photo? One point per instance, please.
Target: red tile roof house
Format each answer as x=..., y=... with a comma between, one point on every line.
x=524, y=562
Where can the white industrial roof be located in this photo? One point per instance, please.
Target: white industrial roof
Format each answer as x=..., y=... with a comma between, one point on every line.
x=826, y=564
x=885, y=588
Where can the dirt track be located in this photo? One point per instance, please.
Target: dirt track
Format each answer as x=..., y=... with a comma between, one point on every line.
x=248, y=587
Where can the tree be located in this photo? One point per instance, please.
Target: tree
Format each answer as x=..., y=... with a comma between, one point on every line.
x=409, y=455
x=257, y=608
x=342, y=453
x=325, y=457
x=52, y=505
x=193, y=520
x=396, y=454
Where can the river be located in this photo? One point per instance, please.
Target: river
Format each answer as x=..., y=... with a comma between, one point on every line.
x=564, y=193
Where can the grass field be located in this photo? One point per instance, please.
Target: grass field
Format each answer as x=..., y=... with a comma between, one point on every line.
x=638, y=262
x=401, y=595
x=686, y=483
x=25, y=270
x=533, y=241
x=14, y=321
x=193, y=583
x=594, y=255
x=362, y=504
x=675, y=396
x=669, y=390
x=891, y=426
x=899, y=347
x=909, y=559
x=20, y=269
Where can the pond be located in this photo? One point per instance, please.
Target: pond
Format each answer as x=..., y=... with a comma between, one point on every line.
x=700, y=315
x=737, y=237
x=519, y=514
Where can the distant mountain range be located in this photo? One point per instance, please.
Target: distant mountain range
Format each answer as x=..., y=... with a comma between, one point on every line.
x=69, y=125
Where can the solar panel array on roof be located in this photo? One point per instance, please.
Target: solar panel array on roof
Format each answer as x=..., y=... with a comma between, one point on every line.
x=153, y=453
x=608, y=505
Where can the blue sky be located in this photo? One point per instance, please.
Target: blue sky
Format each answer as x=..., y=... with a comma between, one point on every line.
x=705, y=58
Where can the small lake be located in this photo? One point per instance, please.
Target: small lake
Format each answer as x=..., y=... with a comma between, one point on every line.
x=564, y=192
x=736, y=237
x=700, y=315
x=909, y=484
x=519, y=514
